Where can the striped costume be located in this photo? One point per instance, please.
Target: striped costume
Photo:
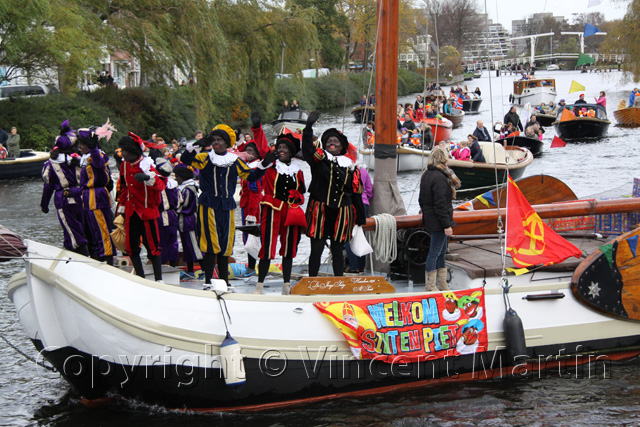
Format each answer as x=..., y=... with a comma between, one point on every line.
x=216, y=205
x=187, y=210
x=96, y=201
x=61, y=181
x=282, y=184
x=168, y=221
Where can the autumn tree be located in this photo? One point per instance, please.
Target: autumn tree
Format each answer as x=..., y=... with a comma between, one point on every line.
x=624, y=38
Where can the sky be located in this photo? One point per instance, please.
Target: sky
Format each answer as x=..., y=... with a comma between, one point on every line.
x=508, y=10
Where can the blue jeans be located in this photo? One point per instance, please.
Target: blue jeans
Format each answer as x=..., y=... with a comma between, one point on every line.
x=437, y=251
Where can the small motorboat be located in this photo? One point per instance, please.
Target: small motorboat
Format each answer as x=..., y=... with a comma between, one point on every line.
x=290, y=119
x=628, y=117
x=455, y=117
x=364, y=114
x=533, y=91
x=29, y=164
x=532, y=144
x=476, y=176
x=572, y=127
x=472, y=104
x=553, y=67
x=477, y=74
x=545, y=119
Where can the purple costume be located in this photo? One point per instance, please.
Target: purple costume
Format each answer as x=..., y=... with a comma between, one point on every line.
x=187, y=221
x=58, y=177
x=97, y=202
x=168, y=222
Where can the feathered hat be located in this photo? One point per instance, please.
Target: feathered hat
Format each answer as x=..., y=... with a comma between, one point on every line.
x=66, y=138
x=91, y=136
x=132, y=143
x=226, y=133
x=341, y=137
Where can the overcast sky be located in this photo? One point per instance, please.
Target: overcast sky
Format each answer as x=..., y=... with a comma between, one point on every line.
x=508, y=10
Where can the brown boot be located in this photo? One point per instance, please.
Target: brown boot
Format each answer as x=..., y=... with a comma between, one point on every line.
x=430, y=281
x=441, y=279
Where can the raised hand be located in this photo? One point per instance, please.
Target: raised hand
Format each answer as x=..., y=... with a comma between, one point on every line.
x=256, y=119
x=313, y=117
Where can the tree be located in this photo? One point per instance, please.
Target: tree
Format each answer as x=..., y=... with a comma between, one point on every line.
x=332, y=26
x=624, y=38
x=450, y=60
x=37, y=36
x=457, y=21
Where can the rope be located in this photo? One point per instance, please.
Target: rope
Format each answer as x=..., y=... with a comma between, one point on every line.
x=26, y=356
x=383, y=238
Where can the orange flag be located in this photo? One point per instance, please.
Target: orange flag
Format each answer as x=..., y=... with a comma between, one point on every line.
x=557, y=142
x=529, y=240
x=567, y=115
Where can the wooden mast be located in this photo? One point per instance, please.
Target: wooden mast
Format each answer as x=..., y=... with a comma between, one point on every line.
x=386, y=196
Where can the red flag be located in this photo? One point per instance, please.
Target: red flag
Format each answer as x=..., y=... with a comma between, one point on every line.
x=557, y=142
x=529, y=240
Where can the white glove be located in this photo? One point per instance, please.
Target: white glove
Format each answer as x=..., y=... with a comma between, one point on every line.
x=250, y=220
x=191, y=146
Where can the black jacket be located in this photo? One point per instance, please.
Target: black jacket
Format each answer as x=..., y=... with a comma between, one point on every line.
x=435, y=200
x=513, y=118
x=480, y=135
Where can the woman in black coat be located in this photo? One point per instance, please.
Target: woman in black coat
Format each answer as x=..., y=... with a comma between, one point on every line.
x=437, y=190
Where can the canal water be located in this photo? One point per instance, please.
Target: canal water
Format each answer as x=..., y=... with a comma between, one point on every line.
x=31, y=395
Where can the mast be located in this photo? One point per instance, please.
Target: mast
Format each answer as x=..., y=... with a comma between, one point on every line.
x=386, y=196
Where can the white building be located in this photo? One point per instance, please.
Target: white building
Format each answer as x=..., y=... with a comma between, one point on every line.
x=490, y=43
x=417, y=52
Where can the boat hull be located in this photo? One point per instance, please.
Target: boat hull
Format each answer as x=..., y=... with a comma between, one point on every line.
x=455, y=118
x=408, y=159
x=364, y=114
x=532, y=144
x=545, y=119
x=628, y=117
x=535, y=96
x=29, y=164
x=581, y=128
x=471, y=106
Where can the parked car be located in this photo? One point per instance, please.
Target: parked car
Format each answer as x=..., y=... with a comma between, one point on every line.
x=10, y=91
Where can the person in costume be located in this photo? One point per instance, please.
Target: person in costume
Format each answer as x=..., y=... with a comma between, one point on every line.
x=252, y=153
x=284, y=187
x=139, y=201
x=61, y=176
x=95, y=180
x=187, y=209
x=168, y=219
x=335, y=202
x=219, y=172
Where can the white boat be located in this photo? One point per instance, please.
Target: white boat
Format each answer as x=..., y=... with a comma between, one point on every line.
x=553, y=67
x=533, y=91
x=408, y=159
x=110, y=332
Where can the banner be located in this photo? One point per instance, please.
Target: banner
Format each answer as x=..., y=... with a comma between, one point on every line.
x=412, y=329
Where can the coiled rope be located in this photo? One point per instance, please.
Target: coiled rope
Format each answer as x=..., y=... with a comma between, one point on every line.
x=383, y=238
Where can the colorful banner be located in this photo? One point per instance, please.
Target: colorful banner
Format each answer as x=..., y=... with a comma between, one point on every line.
x=412, y=329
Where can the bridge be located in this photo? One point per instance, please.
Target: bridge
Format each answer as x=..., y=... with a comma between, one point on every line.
x=543, y=59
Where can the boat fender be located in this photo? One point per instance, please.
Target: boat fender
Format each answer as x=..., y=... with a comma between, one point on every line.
x=232, y=363
x=125, y=261
x=514, y=337
x=510, y=98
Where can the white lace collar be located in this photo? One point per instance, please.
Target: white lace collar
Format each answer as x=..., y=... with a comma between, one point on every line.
x=254, y=164
x=62, y=158
x=223, y=161
x=290, y=169
x=342, y=161
x=171, y=183
x=186, y=184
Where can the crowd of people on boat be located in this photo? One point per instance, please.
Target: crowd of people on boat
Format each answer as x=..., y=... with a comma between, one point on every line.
x=166, y=194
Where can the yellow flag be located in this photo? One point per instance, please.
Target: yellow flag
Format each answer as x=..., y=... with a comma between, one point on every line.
x=575, y=87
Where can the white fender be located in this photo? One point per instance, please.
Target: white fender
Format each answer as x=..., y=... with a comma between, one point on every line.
x=232, y=362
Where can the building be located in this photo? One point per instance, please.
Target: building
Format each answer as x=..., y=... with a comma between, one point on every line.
x=492, y=43
x=417, y=52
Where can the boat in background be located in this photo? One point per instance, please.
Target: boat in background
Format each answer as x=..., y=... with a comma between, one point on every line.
x=553, y=67
x=472, y=104
x=364, y=114
x=533, y=91
x=572, y=127
x=408, y=159
x=628, y=117
x=545, y=119
x=477, y=74
x=290, y=119
x=532, y=144
x=455, y=117
x=476, y=176
x=29, y=164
